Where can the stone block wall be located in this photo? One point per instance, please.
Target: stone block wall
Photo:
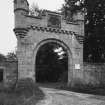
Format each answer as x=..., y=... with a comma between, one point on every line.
x=10, y=73
x=94, y=74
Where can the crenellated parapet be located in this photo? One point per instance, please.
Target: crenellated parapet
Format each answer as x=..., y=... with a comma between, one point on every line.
x=46, y=21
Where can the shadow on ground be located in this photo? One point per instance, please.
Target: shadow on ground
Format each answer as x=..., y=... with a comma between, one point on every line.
x=86, y=90
x=94, y=91
x=39, y=95
x=31, y=94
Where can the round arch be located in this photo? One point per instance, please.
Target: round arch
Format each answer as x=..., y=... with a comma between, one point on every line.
x=61, y=43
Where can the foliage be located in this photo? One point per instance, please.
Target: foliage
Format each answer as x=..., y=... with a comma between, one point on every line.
x=34, y=10
x=95, y=18
x=94, y=49
x=72, y=6
x=11, y=56
x=2, y=58
x=25, y=93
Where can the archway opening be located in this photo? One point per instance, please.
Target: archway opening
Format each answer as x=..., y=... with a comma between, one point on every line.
x=52, y=63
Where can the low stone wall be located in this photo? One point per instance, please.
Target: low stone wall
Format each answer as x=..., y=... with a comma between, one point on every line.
x=94, y=74
x=10, y=73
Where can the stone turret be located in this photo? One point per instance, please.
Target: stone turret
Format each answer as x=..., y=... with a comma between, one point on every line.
x=21, y=8
x=21, y=5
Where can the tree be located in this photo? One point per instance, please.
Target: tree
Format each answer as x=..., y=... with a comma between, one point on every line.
x=95, y=30
x=72, y=6
x=94, y=49
x=11, y=56
x=2, y=58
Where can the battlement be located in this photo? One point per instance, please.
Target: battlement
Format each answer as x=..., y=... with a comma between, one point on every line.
x=50, y=19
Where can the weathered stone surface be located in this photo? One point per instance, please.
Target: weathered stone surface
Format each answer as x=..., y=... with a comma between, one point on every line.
x=94, y=74
x=10, y=73
x=33, y=32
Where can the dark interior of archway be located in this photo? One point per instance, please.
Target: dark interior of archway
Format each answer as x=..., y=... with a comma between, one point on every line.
x=51, y=63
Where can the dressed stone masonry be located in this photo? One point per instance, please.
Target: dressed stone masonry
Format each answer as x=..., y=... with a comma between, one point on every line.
x=34, y=31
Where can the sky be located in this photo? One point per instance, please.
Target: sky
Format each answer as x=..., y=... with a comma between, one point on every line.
x=8, y=41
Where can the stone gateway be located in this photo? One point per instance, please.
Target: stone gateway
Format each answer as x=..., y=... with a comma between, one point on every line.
x=47, y=27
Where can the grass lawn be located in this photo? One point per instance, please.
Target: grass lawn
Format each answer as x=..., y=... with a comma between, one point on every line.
x=21, y=96
x=32, y=94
